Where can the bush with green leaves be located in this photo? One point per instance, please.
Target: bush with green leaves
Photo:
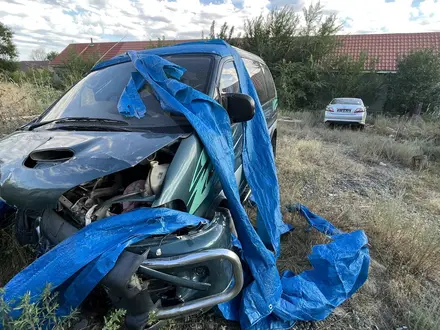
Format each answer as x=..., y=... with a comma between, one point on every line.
x=35, y=316
x=416, y=85
x=43, y=314
x=115, y=320
x=8, y=50
x=75, y=67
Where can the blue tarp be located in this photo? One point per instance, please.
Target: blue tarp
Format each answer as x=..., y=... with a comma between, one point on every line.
x=86, y=257
x=268, y=301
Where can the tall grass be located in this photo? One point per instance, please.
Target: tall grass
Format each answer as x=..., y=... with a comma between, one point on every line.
x=395, y=139
x=337, y=173
x=23, y=100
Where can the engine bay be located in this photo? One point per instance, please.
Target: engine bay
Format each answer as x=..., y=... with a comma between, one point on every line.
x=117, y=193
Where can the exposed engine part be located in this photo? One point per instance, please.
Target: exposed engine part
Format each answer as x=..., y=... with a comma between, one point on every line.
x=156, y=177
x=89, y=215
x=107, y=191
x=135, y=187
x=176, y=280
x=101, y=211
x=114, y=194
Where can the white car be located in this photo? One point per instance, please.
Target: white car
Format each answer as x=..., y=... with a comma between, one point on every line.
x=346, y=110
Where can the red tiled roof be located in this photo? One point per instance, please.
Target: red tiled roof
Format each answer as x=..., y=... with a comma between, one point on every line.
x=387, y=48
x=106, y=50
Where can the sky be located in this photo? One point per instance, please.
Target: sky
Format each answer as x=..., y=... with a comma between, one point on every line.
x=53, y=24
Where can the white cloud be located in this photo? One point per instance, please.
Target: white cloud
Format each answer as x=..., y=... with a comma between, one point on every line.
x=53, y=24
x=378, y=16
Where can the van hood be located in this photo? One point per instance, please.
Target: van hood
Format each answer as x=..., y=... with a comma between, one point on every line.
x=30, y=184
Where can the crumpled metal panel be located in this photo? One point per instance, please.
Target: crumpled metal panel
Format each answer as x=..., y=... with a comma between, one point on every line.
x=96, y=154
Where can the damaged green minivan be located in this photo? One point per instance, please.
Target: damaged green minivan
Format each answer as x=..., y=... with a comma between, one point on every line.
x=81, y=161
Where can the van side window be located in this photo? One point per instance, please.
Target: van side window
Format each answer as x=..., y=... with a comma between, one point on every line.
x=270, y=85
x=229, y=82
x=257, y=75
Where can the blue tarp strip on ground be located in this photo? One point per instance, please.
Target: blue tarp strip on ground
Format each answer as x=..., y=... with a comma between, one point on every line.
x=268, y=301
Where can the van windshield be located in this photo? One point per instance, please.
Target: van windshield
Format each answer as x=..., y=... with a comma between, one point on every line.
x=97, y=95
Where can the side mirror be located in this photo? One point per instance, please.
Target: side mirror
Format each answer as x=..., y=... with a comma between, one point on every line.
x=240, y=107
x=367, y=107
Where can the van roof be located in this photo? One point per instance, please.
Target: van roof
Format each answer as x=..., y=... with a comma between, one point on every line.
x=216, y=47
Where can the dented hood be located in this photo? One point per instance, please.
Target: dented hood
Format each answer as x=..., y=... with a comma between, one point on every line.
x=35, y=185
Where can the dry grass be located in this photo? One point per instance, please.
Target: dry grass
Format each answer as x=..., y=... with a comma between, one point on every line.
x=19, y=103
x=394, y=140
x=13, y=257
x=337, y=173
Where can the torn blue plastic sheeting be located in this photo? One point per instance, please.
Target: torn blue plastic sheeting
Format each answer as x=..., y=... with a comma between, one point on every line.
x=339, y=270
x=316, y=221
x=86, y=257
x=268, y=301
x=130, y=96
x=212, y=124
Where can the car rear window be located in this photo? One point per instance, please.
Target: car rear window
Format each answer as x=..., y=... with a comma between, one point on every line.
x=347, y=101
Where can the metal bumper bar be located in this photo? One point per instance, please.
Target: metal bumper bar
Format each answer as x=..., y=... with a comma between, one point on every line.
x=201, y=303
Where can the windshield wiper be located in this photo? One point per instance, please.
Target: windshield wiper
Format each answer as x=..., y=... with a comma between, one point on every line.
x=76, y=120
x=91, y=128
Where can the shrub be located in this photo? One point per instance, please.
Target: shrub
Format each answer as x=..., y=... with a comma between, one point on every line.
x=35, y=315
x=416, y=84
x=114, y=320
x=75, y=67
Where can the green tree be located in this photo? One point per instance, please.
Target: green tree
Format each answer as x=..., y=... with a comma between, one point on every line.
x=161, y=42
x=299, y=55
x=416, y=85
x=299, y=49
x=75, y=67
x=355, y=77
x=51, y=55
x=8, y=50
x=226, y=32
